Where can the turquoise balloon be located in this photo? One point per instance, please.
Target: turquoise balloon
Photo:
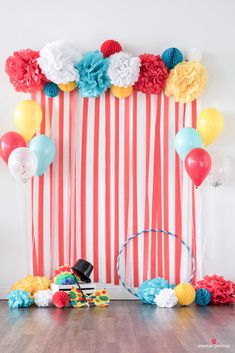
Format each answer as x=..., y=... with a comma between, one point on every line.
x=44, y=148
x=186, y=140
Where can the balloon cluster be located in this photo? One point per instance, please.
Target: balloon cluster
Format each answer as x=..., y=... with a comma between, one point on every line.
x=26, y=161
x=189, y=145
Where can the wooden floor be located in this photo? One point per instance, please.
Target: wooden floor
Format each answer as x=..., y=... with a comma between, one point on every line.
x=122, y=328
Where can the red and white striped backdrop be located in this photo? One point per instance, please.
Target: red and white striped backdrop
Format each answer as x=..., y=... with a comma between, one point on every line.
x=115, y=173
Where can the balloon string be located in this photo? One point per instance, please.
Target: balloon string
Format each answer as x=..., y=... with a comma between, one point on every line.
x=24, y=217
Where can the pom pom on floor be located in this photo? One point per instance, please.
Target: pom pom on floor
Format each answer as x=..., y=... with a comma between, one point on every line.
x=150, y=288
x=166, y=298
x=19, y=299
x=172, y=57
x=60, y=299
x=43, y=298
x=51, y=90
x=185, y=293
x=110, y=47
x=203, y=296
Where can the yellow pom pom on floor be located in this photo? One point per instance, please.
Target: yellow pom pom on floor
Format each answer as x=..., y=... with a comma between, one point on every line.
x=67, y=87
x=121, y=92
x=185, y=293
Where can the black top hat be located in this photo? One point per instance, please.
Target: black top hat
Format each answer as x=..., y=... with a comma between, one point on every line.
x=83, y=269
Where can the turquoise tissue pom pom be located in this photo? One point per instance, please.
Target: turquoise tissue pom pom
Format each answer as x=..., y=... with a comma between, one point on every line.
x=150, y=288
x=92, y=70
x=172, y=57
x=51, y=90
x=203, y=296
x=19, y=299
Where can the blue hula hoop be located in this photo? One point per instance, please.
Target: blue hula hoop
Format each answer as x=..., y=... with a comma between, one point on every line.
x=164, y=232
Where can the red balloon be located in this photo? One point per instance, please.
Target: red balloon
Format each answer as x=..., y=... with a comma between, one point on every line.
x=198, y=164
x=9, y=142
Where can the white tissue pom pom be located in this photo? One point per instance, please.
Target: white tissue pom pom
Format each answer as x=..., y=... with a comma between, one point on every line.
x=43, y=298
x=123, y=69
x=194, y=54
x=166, y=298
x=57, y=60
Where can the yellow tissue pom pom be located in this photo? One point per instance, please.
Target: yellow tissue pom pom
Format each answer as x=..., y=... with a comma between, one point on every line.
x=121, y=92
x=67, y=87
x=185, y=293
x=32, y=284
x=186, y=81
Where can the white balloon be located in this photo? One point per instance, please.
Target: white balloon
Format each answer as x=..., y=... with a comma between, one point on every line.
x=23, y=164
x=220, y=170
x=194, y=54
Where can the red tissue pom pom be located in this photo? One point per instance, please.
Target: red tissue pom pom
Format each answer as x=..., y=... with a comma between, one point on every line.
x=24, y=72
x=110, y=47
x=60, y=299
x=222, y=291
x=153, y=74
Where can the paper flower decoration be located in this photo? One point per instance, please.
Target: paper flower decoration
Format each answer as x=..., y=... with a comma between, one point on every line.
x=166, y=298
x=186, y=81
x=153, y=74
x=19, y=299
x=93, y=74
x=110, y=47
x=222, y=291
x=51, y=90
x=24, y=72
x=150, y=288
x=43, y=298
x=57, y=61
x=123, y=69
x=32, y=284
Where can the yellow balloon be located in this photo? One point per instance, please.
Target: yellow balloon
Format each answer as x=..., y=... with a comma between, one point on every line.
x=67, y=87
x=28, y=118
x=210, y=123
x=121, y=92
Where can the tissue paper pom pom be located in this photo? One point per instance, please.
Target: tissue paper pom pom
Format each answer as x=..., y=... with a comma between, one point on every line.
x=110, y=47
x=203, y=296
x=186, y=81
x=222, y=291
x=60, y=299
x=121, y=92
x=24, y=72
x=51, y=90
x=57, y=61
x=43, y=298
x=68, y=87
x=32, y=284
x=150, y=288
x=19, y=299
x=123, y=69
x=172, y=57
x=93, y=74
x=194, y=54
x=153, y=74
x=166, y=298
x=185, y=293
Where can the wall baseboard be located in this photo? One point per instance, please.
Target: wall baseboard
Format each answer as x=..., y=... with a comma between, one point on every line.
x=115, y=292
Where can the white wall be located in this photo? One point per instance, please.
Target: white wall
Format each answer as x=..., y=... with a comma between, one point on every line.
x=140, y=26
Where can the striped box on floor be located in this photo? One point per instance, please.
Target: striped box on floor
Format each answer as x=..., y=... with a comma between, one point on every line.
x=88, y=288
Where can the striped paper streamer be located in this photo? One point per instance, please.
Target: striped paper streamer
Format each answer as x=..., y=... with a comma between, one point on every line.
x=115, y=173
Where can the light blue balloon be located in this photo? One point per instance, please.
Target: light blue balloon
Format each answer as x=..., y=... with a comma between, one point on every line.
x=186, y=140
x=44, y=148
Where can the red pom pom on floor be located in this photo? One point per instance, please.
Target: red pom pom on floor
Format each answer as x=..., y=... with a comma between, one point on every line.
x=110, y=47
x=60, y=299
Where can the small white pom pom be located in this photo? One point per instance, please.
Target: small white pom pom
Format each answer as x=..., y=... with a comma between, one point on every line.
x=194, y=54
x=166, y=298
x=43, y=298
